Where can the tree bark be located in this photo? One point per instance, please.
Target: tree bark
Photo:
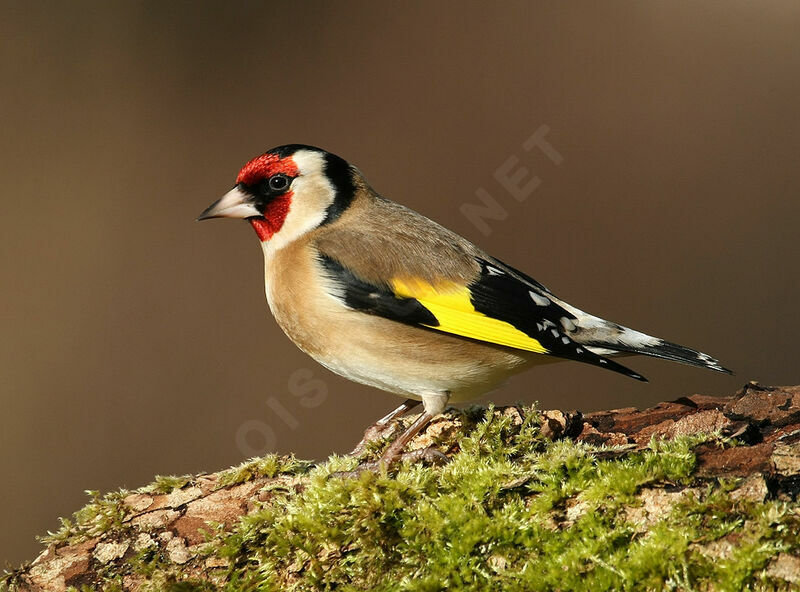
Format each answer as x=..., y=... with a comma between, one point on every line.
x=172, y=524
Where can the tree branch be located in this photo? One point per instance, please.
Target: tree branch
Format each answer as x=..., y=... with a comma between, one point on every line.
x=695, y=493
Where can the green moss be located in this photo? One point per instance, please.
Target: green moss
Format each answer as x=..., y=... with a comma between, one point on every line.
x=105, y=513
x=98, y=517
x=498, y=517
x=173, y=583
x=511, y=511
x=267, y=466
x=167, y=483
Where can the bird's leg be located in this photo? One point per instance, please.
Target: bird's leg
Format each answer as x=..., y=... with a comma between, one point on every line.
x=434, y=404
x=407, y=405
x=383, y=428
x=396, y=448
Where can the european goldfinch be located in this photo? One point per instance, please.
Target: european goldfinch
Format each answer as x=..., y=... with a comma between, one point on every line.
x=386, y=297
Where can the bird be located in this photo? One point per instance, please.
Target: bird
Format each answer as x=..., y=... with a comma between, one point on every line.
x=386, y=297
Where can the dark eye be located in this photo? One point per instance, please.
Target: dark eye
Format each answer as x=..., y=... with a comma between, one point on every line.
x=279, y=182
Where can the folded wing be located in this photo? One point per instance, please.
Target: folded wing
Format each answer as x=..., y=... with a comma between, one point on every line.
x=499, y=305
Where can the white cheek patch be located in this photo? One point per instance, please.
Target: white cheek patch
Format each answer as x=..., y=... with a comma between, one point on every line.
x=312, y=194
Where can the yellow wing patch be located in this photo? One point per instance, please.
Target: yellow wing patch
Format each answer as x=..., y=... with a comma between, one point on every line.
x=450, y=303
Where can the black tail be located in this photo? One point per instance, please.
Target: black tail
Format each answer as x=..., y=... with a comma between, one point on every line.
x=668, y=351
x=606, y=339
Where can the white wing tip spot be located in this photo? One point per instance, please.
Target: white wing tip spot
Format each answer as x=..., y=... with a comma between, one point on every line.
x=539, y=299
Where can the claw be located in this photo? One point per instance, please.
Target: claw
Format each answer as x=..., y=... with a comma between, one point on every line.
x=377, y=431
x=385, y=427
x=429, y=455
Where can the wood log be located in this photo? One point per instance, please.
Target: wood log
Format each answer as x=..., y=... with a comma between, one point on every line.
x=696, y=493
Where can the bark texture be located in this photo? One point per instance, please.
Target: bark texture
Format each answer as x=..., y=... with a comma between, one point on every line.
x=124, y=540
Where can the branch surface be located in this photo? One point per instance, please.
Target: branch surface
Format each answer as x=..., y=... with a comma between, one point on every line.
x=696, y=493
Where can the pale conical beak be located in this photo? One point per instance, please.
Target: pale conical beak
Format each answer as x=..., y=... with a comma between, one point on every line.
x=234, y=204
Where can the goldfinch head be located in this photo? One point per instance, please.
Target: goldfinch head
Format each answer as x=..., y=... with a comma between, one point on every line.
x=287, y=192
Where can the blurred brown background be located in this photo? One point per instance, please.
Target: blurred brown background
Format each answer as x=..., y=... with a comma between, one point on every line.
x=135, y=341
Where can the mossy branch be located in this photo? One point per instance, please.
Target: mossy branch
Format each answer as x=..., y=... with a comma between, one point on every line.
x=696, y=494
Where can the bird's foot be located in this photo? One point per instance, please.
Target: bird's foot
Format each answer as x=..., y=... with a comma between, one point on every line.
x=428, y=455
x=377, y=431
